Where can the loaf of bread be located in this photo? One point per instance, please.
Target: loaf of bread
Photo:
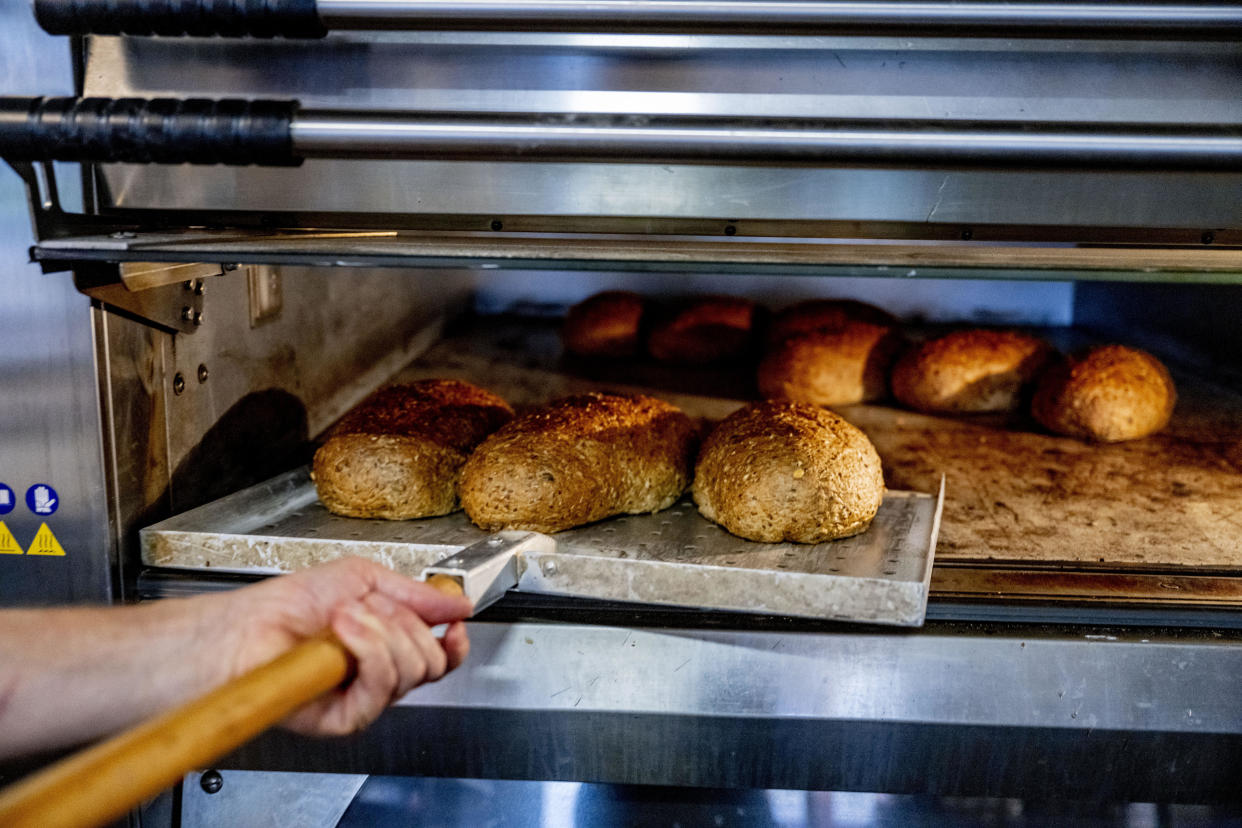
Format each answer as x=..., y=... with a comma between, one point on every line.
x=784, y=471
x=1110, y=393
x=399, y=453
x=824, y=314
x=831, y=366
x=607, y=324
x=709, y=329
x=969, y=371
x=578, y=460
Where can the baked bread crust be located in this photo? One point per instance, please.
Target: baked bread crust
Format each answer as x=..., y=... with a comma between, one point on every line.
x=578, y=460
x=969, y=371
x=825, y=314
x=785, y=471
x=709, y=329
x=399, y=453
x=608, y=324
x=1109, y=394
x=836, y=366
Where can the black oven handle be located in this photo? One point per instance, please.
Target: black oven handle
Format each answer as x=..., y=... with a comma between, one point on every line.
x=160, y=130
x=954, y=18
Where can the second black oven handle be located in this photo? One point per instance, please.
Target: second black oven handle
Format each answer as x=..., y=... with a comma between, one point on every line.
x=142, y=131
x=280, y=133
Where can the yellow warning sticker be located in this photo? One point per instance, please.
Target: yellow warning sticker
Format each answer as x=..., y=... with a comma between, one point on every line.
x=8, y=543
x=45, y=543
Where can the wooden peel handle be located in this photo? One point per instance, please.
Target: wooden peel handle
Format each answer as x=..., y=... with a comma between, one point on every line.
x=102, y=783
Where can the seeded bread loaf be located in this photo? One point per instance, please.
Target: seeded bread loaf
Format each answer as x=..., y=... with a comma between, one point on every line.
x=607, y=324
x=399, y=453
x=831, y=366
x=969, y=371
x=785, y=471
x=578, y=460
x=1109, y=394
x=709, y=329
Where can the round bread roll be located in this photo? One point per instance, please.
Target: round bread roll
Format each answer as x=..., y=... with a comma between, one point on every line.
x=709, y=329
x=607, y=324
x=825, y=314
x=1111, y=393
x=969, y=371
x=399, y=453
x=578, y=460
x=784, y=471
x=836, y=366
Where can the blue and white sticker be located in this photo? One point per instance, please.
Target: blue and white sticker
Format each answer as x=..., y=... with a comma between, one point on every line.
x=42, y=499
x=8, y=500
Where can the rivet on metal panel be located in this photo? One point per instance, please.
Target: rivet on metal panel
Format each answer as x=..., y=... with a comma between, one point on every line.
x=549, y=568
x=211, y=782
x=497, y=224
x=202, y=373
x=187, y=313
x=179, y=384
x=197, y=318
x=1208, y=237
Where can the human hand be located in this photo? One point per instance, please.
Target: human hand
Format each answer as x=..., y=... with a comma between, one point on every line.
x=383, y=619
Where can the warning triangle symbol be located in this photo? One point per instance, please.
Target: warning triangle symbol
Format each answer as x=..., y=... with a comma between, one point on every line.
x=45, y=543
x=8, y=543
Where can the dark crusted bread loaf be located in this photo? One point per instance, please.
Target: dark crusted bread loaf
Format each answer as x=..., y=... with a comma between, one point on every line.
x=709, y=329
x=1110, y=393
x=825, y=314
x=831, y=366
x=399, y=453
x=607, y=324
x=784, y=471
x=579, y=460
x=969, y=371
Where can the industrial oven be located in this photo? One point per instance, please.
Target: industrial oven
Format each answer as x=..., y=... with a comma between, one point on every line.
x=386, y=189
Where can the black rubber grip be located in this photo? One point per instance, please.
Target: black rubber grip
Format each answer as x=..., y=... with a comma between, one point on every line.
x=196, y=18
x=158, y=131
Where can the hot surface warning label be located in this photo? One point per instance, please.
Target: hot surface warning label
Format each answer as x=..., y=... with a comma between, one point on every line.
x=45, y=543
x=8, y=543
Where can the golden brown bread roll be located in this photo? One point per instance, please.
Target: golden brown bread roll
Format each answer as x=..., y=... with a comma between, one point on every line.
x=399, y=453
x=607, y=324
x=835, y=366
x=825, y=314
x=578, y=460
x=709, y=329
x=969, y=371
x=1109, y=394
x=784, y=471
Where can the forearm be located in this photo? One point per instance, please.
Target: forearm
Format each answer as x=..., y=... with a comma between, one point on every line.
x=72, y=675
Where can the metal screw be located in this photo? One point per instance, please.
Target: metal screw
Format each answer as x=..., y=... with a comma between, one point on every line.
x=230, y=267
x=199, y=287
x=202, y=373
x=124, y=234
x=1208, y=237
x=968, y=234
x=187, y=313
x=211, y=782
x=188, y=284
x=197, y=318
x=497, y=224
x=730, y=230
x=178, y=384
x=549, y=567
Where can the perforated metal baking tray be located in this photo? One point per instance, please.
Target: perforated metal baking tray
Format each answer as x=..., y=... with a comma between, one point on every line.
x=674, y=557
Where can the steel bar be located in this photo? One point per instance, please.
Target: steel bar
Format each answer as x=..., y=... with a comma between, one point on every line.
x=791, y=17
x=659, y=139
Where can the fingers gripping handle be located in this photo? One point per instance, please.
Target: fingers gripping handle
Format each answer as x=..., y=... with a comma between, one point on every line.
x=197, y=18
x=136, y=130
